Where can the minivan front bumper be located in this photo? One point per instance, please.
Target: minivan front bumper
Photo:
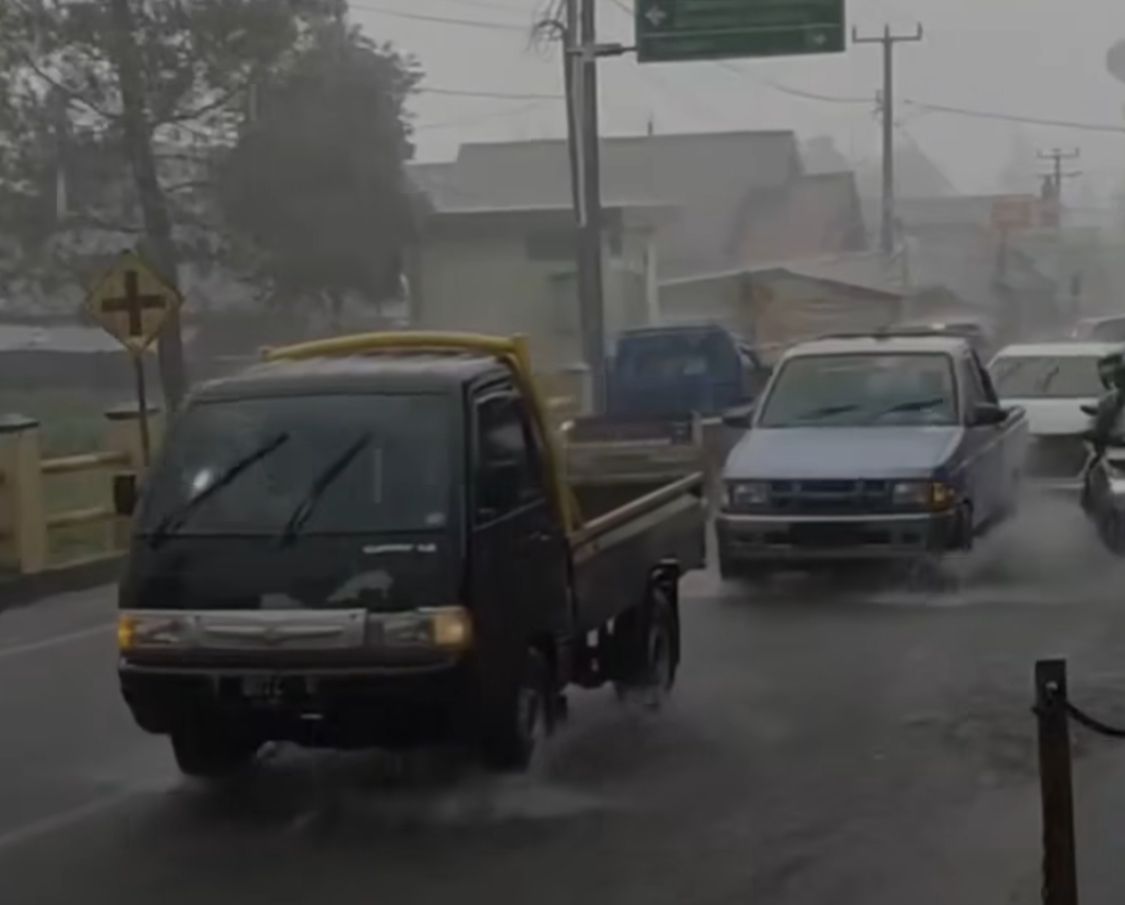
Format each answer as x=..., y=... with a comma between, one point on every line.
x=817, y=538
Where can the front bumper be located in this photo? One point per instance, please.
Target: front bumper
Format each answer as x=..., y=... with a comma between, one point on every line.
x=313, y=705
x=809, y=539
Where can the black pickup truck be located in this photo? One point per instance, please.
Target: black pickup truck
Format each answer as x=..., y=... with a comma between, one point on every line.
x=368, y=542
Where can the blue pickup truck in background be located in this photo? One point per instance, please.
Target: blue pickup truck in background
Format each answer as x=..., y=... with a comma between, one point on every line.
x=675, y=371
x=875, y=447
x=667, y=390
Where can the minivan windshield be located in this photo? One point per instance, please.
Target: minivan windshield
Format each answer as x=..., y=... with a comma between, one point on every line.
x=854, y=389
x=323, y=464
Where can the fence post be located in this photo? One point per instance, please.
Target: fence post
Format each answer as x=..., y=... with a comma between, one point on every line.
x=123, y=435
x=23, y=516
x=1060, y=874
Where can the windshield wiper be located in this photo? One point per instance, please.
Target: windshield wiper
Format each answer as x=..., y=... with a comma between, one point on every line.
x=914, y=405
x=174, y=520
x=826, y=411
x=325, y=479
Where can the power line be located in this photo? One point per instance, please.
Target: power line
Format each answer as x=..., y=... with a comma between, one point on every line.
x=495, y=95
x=493, y=115
x=487, y=4
x=1014, y=118
x=444, y=20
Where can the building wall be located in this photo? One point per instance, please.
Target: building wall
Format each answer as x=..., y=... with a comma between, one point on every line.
x=508, y=284
x=706, y=301
x=786, y=310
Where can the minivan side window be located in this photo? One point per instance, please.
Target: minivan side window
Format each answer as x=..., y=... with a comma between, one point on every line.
x=506, y=477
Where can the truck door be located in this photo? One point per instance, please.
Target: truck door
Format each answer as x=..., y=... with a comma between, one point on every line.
x=519, y=551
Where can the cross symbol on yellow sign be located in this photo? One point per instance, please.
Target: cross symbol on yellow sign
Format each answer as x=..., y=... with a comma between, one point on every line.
x=133, y=302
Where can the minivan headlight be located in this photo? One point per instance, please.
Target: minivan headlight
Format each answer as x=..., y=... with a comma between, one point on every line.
x=930, y=495
x=746, y=495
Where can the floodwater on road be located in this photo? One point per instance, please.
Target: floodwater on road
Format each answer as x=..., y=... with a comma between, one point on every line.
x=847, y=742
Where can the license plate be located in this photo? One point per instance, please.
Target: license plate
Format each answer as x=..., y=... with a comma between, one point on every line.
x=266, y=687
x=826, y=535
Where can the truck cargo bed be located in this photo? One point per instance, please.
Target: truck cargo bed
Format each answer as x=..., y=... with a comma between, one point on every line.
x=630, y=529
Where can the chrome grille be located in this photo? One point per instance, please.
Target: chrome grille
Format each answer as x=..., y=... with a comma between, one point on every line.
x=830, y=497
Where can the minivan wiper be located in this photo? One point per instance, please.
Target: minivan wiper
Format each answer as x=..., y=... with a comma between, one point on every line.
x=826, y=411
x=914, y=405
x=325, y=479
x=174, y=520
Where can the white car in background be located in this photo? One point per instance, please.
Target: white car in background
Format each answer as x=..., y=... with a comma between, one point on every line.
x=1052, y=382
x=1109, y=328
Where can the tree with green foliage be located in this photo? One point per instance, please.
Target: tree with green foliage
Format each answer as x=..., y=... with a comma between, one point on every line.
x=110, y=114
x=316, y=181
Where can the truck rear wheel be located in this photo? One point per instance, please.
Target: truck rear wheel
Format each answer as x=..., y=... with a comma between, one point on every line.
x=210, y=752
x=648, y=649
x=516, y=726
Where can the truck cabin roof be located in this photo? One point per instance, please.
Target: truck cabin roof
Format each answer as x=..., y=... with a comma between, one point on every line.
x=385, y=372
x=881, y=344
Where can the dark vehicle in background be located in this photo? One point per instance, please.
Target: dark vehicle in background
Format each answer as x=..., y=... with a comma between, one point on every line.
x=368, y=541
x=1108, y=328
x=666, y=390
x=1053, y=382
x=869, y=448
x=662, y=371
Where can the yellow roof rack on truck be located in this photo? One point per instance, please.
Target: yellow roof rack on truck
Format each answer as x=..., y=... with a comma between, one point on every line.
x=511, y=351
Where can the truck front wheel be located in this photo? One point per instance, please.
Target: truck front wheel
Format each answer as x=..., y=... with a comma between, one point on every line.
x=211, y=752
x=518, y=724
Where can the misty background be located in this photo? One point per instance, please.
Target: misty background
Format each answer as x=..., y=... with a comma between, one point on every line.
x=1039, y=59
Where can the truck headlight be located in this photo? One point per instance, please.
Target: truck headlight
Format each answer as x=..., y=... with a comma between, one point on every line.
x=150, y=630
x=448, y=628
x=746, y=494
x=931, y=495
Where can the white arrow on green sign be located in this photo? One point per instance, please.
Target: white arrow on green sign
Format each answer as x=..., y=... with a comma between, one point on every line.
x=680, y=30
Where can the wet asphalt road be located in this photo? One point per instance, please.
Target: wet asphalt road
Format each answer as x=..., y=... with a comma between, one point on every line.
x=827, y=743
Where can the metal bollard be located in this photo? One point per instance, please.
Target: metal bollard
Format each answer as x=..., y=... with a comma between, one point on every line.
x=1060, y=874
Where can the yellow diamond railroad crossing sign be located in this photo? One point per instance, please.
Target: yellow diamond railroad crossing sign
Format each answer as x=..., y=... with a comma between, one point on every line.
x=133, y=302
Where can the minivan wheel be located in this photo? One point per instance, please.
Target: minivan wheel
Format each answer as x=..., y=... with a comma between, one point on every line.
x=517, y=726
x=210, y=752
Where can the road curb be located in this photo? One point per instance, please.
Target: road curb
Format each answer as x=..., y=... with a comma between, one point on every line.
x=28, y=589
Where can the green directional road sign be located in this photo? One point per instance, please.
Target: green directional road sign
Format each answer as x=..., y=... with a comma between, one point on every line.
x=673, y=30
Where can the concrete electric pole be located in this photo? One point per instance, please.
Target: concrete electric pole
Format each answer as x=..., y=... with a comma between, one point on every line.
x=1054, y=179
x=888, y=40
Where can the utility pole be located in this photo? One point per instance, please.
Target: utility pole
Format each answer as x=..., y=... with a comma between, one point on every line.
x=571, y=63
x=1055, y=178
x=154, y=208
x=591, y=285
x=888, y=40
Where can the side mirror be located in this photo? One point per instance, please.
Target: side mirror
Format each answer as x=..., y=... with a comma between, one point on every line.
x=124, y=494
x=741, y=418
x=986, y=414
x=1090, y=410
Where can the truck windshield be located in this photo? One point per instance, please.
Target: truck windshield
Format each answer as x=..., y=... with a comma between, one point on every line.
x=370, y=463
x=1047, y=377
x=862, y=390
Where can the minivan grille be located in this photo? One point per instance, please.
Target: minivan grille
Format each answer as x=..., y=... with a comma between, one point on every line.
x=830, y=497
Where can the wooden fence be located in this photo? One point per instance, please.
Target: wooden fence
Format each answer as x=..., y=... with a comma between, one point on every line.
x=31, y=526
